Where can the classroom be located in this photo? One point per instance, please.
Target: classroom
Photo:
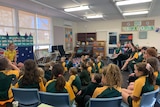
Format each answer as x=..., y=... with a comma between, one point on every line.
x=75, y=42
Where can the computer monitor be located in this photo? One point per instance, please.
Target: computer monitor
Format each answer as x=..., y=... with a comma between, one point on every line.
x=61, y=50
x=53, y=48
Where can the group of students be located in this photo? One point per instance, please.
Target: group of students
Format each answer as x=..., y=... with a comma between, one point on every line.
x=105, y=82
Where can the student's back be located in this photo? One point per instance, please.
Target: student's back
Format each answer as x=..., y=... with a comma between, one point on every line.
x=58, y=83
x=6, y=77
x=31, y=77
x=111, y=80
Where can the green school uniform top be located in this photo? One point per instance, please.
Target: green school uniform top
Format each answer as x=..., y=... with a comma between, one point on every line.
x=90, y=89
x=118, y=49
x=6, y=84
x=69, y=65
x=75, y=83
x=99, y=67
x=141, y=86
x=50, y=87
x=48, y=75
x=39, y=85
x=85, y=77
x=107, y=92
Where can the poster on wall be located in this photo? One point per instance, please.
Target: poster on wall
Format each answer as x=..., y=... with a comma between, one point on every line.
x=145, y=25
x=68, y=39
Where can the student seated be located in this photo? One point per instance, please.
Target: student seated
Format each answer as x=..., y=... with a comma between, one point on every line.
x=133, y=56
x=111, y=81
x=31, y=77
x=63, y=62
x=99, y=64
x=84, y=74
x=84, y=94
x=144, y=83
x=58, y=83
x=6, y=78
x=74, y=79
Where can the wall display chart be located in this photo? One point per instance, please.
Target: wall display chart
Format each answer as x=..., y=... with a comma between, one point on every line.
x=24, y=46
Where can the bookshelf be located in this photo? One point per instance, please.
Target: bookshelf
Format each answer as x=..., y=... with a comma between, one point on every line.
x=99, y=48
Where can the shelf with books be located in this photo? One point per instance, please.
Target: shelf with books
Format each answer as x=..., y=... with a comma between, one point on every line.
x=99, y=48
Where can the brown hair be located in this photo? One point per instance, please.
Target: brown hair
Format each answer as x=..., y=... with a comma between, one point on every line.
x=10, y=44
x=142, y=67
x=73, y=70
x=153, y=62
x=31, y=74
x=152, y=52
x=57, y=72
x=97, y=77
x=112, y=75
x=3, y=63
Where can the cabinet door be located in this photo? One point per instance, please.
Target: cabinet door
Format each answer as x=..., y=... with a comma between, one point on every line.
x=81, y=37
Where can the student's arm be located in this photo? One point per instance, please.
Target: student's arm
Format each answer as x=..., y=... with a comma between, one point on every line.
x=15, y=59
x=71, y=79
x=138, y=85
x=41, y=85
x=70, y=91
x=15, y=70
x=13, y=66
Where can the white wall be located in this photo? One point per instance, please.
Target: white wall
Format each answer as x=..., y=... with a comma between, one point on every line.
x=103, y=27
x=60, y=22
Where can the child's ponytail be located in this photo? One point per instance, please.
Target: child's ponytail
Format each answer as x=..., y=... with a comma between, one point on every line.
x=150, y=73
x=60, y=83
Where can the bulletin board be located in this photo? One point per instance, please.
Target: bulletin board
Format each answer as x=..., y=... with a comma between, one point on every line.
x=24, y=46
x=68, y=39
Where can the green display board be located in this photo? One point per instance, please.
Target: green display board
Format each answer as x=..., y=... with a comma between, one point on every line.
x=17, y=40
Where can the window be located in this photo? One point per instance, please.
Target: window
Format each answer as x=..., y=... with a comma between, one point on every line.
x=38, y=26
x=6, y=21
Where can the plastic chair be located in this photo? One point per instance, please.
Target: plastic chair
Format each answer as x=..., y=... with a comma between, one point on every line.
x=148, y=99
x=158, y=99
x=55, y=99
x=105, y=102
x=26, y=97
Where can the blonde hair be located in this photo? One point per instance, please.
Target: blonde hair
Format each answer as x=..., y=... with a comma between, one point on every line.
x=113, y=76
x=41, y=71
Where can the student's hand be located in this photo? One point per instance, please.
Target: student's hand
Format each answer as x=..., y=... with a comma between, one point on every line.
x=79, y=92
x=14, y=63
x=132, y=74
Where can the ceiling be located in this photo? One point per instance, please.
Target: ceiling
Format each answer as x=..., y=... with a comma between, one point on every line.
x=107, y=8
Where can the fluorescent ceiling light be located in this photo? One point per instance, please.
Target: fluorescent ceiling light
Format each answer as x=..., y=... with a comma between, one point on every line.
x=76, y=8
x=94, y=16
x=135, y=13
x=129, y=2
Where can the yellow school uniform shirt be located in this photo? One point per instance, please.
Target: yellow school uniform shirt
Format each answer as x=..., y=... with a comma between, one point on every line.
x=41, y=84
x=157, y=76
x=64, y=66
x=135, y=55
x=10, y=54
x=99, y=90
x=138, y=86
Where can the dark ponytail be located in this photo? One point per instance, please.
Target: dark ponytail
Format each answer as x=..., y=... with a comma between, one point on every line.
x=150, y=74
x=147, y=69
x=60, y=83
x=57, y=73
